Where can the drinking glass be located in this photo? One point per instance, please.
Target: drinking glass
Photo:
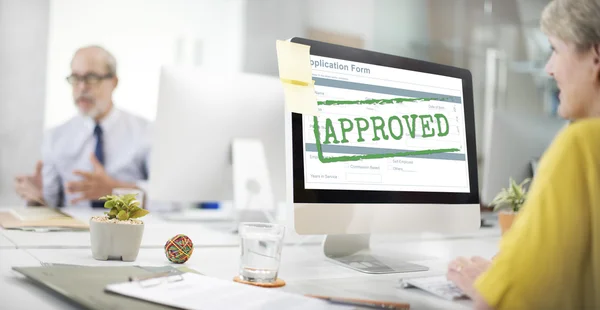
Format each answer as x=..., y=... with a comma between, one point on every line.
x=261, y=245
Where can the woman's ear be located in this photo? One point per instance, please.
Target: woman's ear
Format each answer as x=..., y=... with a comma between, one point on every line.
x=596, y=55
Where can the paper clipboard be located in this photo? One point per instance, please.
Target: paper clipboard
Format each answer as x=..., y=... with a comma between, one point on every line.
x=193, y=291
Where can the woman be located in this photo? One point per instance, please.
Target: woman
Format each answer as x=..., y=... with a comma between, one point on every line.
x=550, y=259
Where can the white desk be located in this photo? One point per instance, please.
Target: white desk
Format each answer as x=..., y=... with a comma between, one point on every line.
x=5, y=243
x=155, y=236
x=306, y=271
x=20, y=293
x=156, y=233
x=298, y=262
x=203, y=234
x=216, y=254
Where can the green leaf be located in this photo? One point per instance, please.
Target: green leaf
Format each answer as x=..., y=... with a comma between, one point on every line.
x=114, y=211
x=139, y=213
x=119, y=204
x=513, y=197
x=109, y=204
x=122, y=216
x=500, y=198
x=525, y=182
x=500, y=207
x=128, y=198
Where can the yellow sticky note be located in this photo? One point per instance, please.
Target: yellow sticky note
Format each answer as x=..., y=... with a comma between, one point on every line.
x=301, y=99
x=295, y=73
x=293, y=60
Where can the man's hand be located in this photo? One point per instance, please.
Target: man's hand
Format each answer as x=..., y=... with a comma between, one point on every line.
x=93, y=185
x=463, y=272
x=29, y=187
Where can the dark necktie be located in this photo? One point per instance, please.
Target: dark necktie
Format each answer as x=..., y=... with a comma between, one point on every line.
x=99, y=152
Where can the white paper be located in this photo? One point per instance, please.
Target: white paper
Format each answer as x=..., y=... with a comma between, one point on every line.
x=197, y=292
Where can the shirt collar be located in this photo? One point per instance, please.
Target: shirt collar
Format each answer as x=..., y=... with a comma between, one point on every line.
x=106, y=123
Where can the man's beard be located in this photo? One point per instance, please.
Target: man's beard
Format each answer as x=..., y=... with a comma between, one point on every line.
x=94, y=112
x=96, y=109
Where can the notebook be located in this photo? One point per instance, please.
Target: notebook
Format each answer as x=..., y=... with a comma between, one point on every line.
x=40, y=219
x=194, y=292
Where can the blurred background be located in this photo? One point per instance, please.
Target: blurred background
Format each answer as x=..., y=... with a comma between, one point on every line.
x=498, y=40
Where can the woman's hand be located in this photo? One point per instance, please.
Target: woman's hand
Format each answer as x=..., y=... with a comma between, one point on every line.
x=463, y=272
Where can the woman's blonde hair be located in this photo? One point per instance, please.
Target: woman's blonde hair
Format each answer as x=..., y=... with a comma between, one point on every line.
x=573, y=21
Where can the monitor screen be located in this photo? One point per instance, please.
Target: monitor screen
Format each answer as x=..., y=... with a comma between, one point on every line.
x=385, y=129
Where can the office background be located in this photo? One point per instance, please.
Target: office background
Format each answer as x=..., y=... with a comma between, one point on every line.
x=498, y=40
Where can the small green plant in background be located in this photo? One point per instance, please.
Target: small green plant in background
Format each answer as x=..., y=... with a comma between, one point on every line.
x=123, y=207
x=512, y=197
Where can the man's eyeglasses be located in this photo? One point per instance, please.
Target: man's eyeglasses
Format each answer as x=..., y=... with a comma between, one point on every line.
x=90, y=78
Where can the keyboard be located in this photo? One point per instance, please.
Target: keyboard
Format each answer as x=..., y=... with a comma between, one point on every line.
x=436, y=285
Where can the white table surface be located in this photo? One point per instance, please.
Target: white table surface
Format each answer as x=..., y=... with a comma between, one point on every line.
x=156, y=233
x=216, y=254
x=20, y=293
x=216, y=234
x=306, y=271
x=5, y=243
x=298, y=262
x=203, y=233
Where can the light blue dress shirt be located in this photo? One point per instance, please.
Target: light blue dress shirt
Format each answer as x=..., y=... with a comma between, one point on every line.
x=69, y=146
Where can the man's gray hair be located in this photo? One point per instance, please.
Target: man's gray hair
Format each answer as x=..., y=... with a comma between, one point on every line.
x=111, y=61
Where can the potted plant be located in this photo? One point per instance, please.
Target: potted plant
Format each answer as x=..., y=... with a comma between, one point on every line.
x=118, y=234
x=509, y=202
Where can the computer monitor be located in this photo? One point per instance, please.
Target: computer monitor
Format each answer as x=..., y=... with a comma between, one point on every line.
x=218, y=136
x=423, y=179
x=516, y=143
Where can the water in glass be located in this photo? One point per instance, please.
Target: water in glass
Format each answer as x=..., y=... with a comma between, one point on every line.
x=261, y=255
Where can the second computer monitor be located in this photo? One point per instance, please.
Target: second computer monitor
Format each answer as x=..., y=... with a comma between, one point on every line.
x=218, y=136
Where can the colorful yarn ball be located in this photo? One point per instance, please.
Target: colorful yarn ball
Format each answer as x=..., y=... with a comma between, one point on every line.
x=179, y=249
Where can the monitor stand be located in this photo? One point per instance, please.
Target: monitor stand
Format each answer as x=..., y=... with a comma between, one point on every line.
x=354, y=252
x=253, y=199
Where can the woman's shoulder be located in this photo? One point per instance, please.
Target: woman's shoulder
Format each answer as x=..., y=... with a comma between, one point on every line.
x=582, y=133
x=579, y=142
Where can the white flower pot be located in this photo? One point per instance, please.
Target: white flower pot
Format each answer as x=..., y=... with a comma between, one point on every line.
x=115, y=240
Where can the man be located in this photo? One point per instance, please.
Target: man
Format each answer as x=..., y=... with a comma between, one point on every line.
x=100, y=149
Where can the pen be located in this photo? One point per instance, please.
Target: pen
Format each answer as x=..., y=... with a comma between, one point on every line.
x=364, y=302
